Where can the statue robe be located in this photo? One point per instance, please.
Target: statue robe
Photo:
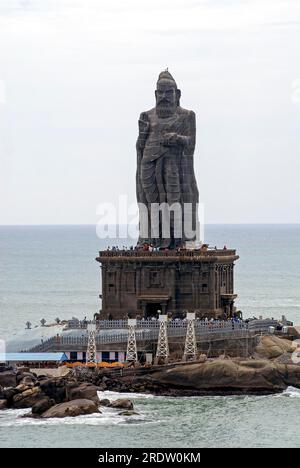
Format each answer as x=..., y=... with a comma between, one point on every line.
x=166, y=173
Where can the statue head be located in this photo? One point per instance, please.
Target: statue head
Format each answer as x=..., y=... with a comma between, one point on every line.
x=167, y=95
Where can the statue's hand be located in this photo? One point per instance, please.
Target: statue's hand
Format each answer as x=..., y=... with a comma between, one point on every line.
x=170, y=139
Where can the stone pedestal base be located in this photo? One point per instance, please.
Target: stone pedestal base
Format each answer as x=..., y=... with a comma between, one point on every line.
x=141, y=284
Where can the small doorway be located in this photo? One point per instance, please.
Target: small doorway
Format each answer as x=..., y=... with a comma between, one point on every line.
x=152, y=310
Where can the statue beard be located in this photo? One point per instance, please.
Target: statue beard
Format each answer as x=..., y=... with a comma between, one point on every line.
x=165, y=109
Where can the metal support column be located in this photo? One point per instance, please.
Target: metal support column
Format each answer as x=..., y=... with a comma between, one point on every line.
x=91, y=347
x=131, y=355
x=162, y=351
x=190, y=349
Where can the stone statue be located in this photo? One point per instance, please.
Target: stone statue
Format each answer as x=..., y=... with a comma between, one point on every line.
x=165, y=168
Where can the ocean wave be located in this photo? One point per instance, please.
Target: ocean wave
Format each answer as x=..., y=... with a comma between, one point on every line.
x=116, y=395
x=108, y=416
x=291, y=392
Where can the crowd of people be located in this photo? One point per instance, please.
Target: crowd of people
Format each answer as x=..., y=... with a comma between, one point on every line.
x=236, y=318
x=148, y=247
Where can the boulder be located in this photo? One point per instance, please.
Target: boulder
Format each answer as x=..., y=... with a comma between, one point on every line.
x=291, y=374
x=8, y=379
x=55, y=389
x=271, y=347
x=28, y=398
x=42, y=377
x=71, y=408
x=3, y=404
x=42, y=405
x=86, y=391
x=286, y=358
x=21, y=375
x=28, y=381
x=21, y=388
x=227, y=376
x=122, y=403
x=102, y=387
x=30, y=392
x=294, y=331
x=128, y=413
x=9, y=393
x=104, y=402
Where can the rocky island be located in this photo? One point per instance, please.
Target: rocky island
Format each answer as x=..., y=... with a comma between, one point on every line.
x=271, y=369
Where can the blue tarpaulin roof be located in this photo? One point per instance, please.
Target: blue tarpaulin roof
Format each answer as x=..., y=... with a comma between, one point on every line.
x=20, y=357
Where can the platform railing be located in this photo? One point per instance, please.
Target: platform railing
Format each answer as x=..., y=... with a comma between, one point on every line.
x=153, y=324
x=167, y=253
x=203, y=329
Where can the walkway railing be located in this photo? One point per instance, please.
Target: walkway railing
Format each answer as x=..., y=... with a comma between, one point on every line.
x=203, y=329
x=154, y=324
x=167, y=253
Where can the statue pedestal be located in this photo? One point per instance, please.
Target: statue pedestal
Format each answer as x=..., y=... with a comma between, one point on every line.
x=138, y=284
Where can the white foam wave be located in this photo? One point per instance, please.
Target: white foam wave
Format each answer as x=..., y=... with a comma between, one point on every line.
x=116, y=395
x=291, y=392
x=108, y=416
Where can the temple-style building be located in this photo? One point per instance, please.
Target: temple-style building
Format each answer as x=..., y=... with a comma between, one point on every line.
x=138, y=283
x=169, y=270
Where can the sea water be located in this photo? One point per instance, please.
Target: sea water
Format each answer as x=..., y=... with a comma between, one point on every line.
x=239, y=421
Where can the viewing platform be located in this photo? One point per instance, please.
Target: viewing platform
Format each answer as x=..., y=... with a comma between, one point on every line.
x=183, y=255
x=137, y=282
x=113, y=335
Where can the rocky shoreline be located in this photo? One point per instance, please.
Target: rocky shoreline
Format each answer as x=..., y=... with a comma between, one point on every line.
x=215, y=377
x=54, y=397
x=270, y=370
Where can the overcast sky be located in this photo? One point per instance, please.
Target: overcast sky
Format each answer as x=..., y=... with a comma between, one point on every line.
x=75, y=75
